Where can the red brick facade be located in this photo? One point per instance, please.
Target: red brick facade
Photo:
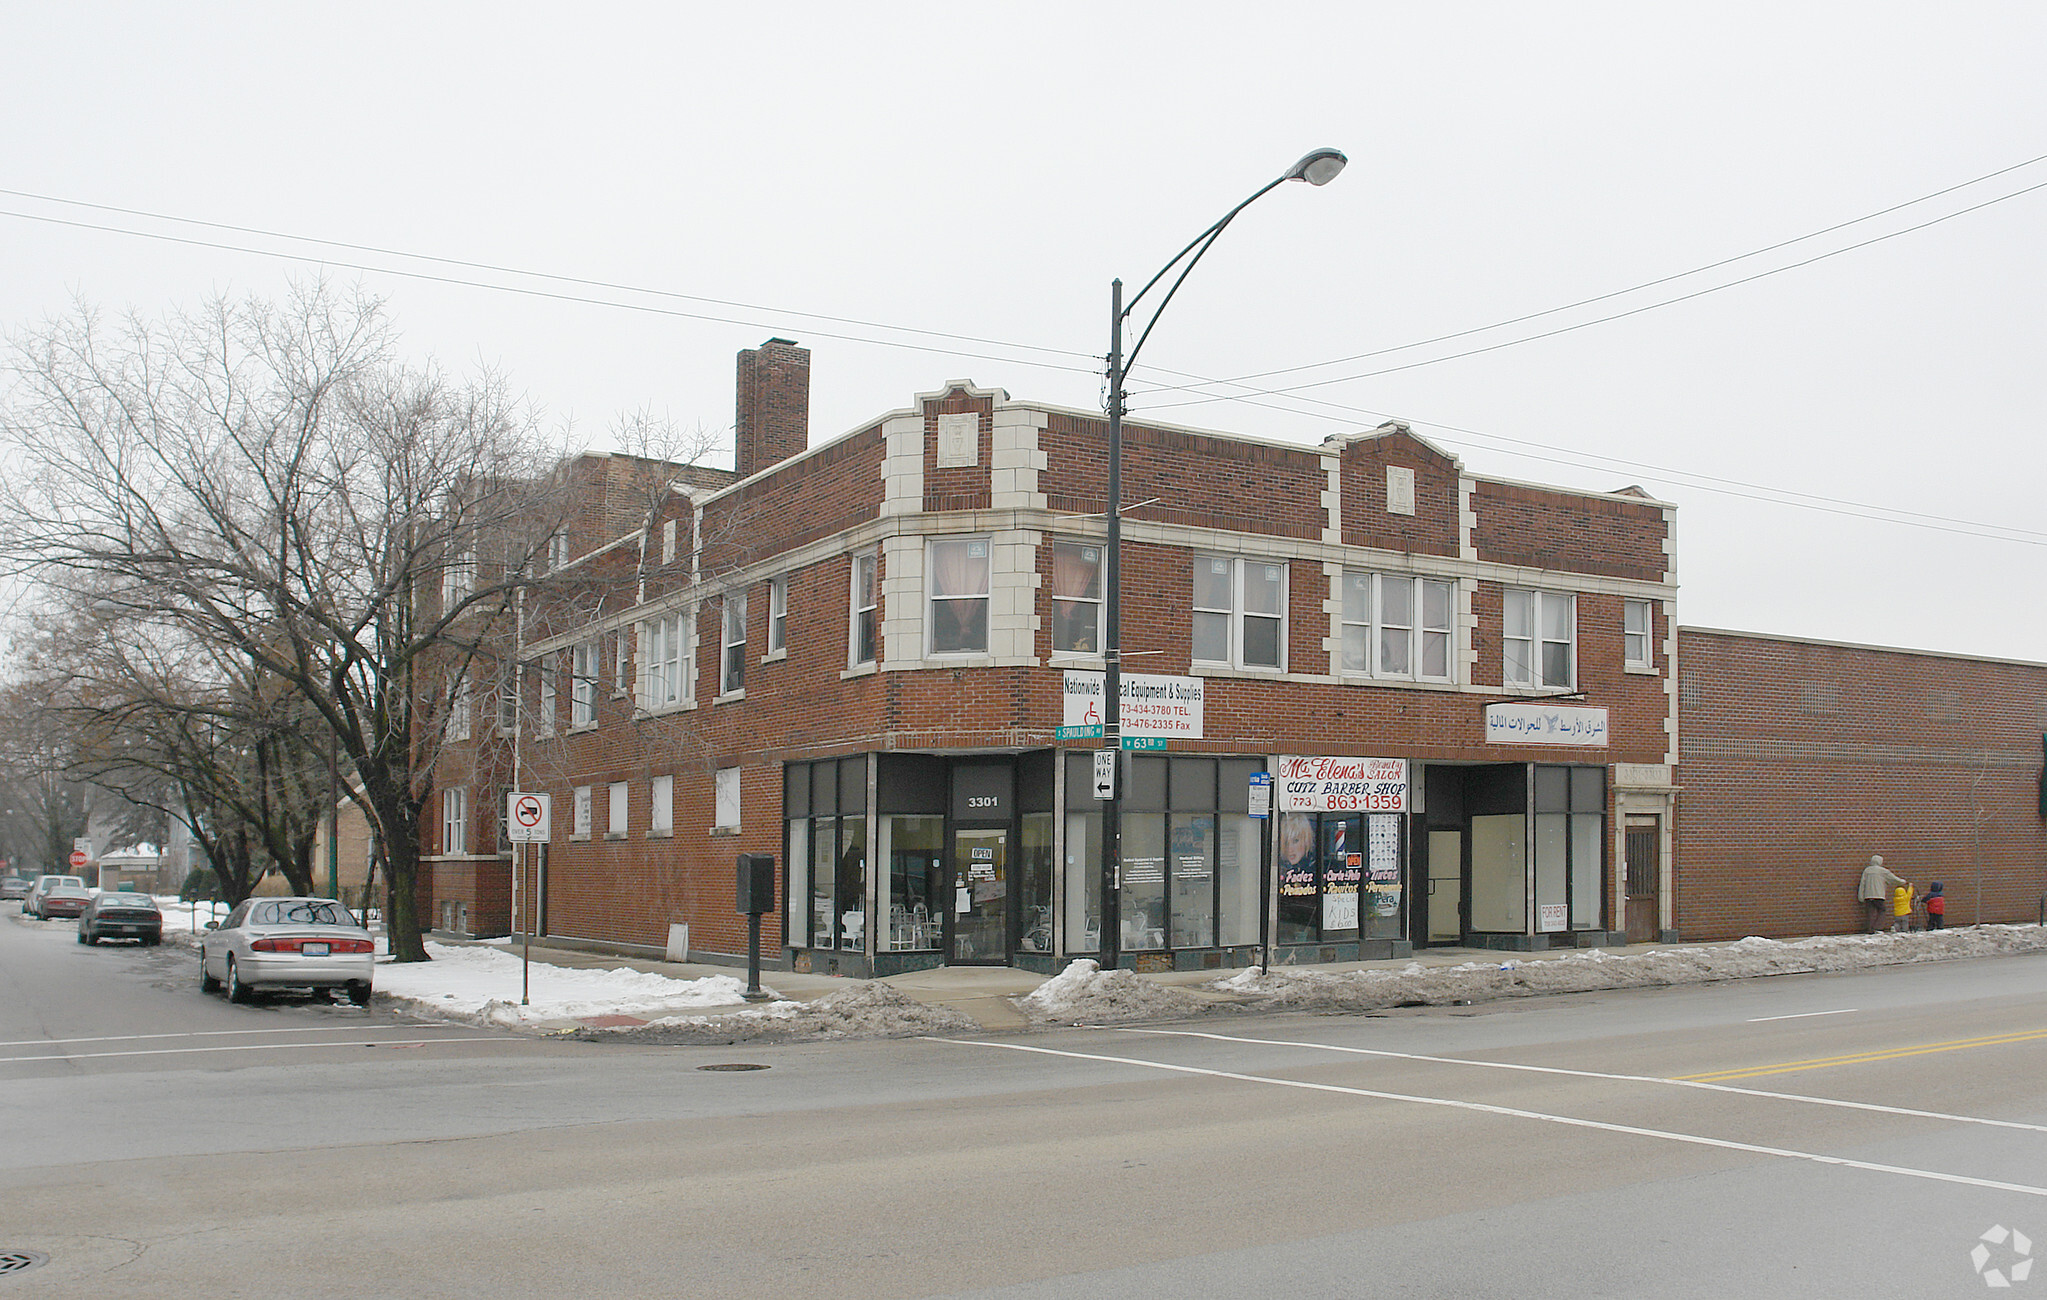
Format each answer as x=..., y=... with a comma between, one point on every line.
x=1800, y=759
x=1024, y=477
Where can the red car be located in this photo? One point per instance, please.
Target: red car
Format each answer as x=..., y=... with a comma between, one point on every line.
x=63, y=902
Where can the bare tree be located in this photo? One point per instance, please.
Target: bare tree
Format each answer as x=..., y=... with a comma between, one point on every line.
x=271, y=480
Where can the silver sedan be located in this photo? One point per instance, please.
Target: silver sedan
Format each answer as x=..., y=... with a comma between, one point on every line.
x=285, y=943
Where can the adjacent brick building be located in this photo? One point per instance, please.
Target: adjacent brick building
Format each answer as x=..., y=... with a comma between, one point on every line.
x=860, y=656
x=1801, y=758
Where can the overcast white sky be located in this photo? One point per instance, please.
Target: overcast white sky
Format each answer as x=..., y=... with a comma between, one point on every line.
x=983, y=171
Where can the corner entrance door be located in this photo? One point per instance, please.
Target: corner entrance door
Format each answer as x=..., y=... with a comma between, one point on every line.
x=1446, y=887
x=1642, y=846
x=977, y=922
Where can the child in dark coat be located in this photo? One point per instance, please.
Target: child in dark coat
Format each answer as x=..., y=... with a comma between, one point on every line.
x=1936, y=907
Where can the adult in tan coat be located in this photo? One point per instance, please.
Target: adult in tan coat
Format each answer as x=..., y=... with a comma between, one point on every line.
x=1875, y=893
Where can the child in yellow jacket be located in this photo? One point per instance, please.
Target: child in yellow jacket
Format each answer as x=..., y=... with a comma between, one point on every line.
x=1901, y=908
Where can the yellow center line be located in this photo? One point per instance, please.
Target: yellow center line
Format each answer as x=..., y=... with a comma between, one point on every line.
x=1864, y=1058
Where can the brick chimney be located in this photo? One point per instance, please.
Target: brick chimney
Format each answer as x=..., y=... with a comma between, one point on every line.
x=771, y=422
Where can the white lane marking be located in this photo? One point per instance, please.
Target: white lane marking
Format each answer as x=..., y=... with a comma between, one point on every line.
x=207, y=1033
x=1804, y=1015
x=1692, y=1139
x=247, y=1047
x=1595, y=1074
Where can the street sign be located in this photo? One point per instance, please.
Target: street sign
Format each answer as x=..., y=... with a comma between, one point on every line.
x=1144, y=742
x=1261, y=794
x=77, y=859
x=1105, y=774
x=1079, y=733
x=528, y=817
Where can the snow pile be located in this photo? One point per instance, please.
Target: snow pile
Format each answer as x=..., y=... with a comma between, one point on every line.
x=1595, y=969
x=481, y=985
x=861, y=1011
x=1085, y=993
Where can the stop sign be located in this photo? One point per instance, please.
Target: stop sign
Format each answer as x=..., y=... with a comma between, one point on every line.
x=77, y=858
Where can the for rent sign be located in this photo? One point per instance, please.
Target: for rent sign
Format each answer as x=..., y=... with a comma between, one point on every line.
x=1321, y=783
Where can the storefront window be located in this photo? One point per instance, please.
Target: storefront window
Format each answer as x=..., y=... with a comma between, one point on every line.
x=1144, y=882
x=914, y=848
x=1193, y=853
x=823, y=881
x=852, y=882
x=1343, y=868
x=1237, y=861
x=1381, y=914
x=1299, y=905
x=1083, y=878
x=1034, y=884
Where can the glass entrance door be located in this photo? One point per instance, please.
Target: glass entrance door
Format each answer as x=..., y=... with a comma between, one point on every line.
x=978, y=920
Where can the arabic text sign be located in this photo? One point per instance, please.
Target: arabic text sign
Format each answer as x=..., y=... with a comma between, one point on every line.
x=1167, y=707
x=1545, y=724
x=1324, y=783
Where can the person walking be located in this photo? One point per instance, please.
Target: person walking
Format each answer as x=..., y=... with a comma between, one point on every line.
x=1875, y=893
x=1936, y=907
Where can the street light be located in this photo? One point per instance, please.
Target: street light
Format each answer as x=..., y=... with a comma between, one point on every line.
x=1317, y=168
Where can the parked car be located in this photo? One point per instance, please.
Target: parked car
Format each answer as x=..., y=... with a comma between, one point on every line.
x=62, y=902
x=121, y=915
x=33, y=904
x=284, y=943
x=13, y=887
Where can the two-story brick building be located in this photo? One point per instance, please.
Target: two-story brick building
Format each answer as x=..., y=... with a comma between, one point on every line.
x=877, y=657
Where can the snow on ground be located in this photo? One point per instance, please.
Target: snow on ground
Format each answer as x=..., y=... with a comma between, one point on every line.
x=1579, y=972
x=1084, y=992
x=861, y=1011
x=482, y=985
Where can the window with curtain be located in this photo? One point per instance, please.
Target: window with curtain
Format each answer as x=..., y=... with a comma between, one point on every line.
x=863, y=625
x=662, y=682
x=1397, y=626
x=959, y=596
x=732, y=677
x=1077, y=597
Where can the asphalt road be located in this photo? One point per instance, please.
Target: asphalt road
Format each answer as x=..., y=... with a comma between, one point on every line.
x=1850, y=1135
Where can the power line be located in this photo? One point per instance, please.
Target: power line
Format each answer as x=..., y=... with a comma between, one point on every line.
x=1602, y=320
x=1617, y=293
x=1701, y=482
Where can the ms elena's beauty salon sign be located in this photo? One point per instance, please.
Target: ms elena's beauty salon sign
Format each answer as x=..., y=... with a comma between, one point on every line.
x=1321, y=783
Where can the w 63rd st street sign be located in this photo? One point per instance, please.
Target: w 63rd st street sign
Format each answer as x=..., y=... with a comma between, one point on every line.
x=528, y=817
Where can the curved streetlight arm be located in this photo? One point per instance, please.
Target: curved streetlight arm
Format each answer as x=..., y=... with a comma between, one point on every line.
x=1199, y=247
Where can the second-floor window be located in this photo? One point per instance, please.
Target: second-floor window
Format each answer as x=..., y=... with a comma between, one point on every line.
x=1239, y=612
x=1076, y=597
x=549, y=666
x=732, y=676
x=662, y=683
x=866, y=606
x=1539, y=639
x=461, y=703
x=583, y=700
x=458, y=580
x=778, y=615
x=959, y=596
x=1397, y=626
x=1636, y=621
x=454, y=821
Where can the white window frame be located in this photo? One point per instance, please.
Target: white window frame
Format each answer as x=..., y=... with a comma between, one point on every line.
x=454, y=822
x=1638, y=623
x=732, y=644
x=1236, y=613
x=581, y=801
x=1096, y=600
x=932, y=598
x=661, y=805
x=726, y=784
x=864, y=606
x=621, y=662
x=618, y=810
x=549, y=665
x=461, y=704
x=1375, y=626
x=668, y=541
x=557, y=551
x=663, y=682
x=778, y=615
x=583, y=685
x=508, y=705
x=1537, y=609
x=458, y=580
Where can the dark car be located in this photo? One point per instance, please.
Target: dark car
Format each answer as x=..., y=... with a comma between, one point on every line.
x=121, y=916
x=62, y=902
x=13, y=887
